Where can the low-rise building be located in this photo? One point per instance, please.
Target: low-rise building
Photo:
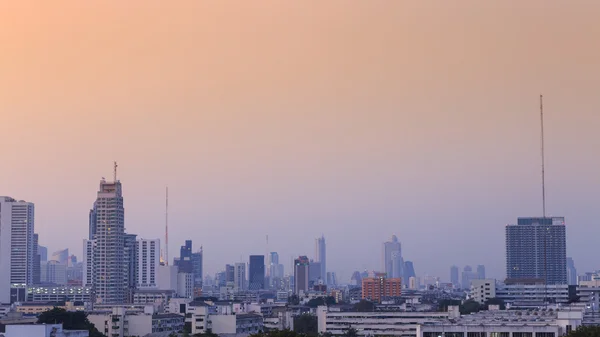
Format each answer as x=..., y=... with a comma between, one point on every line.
x=380, y=288
x=42, y=330
x=58, y=293
x=36, y=308
x=482, y=290
x=505, y=323
x=236, y=324
x=120, y=323
x=522, y=291
x=148, y=296
x=388, y=323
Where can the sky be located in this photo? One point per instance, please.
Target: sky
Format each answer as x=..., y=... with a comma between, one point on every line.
x=352, y=119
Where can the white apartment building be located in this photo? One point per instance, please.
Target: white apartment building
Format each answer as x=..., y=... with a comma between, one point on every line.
x=148, y=254
x=185, y=285
x=42, y=330
x=533, y=292
x=394, y=323
x=16, y=245
x=482, y=290
x=122, y=323
x=239, y=277
x=167, y=278
x=59, y=294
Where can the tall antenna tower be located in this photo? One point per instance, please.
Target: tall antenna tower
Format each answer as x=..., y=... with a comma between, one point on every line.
x=167, y=226
x=115, y=171
x=543, y=161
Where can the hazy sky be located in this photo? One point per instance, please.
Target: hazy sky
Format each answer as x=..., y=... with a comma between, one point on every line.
x=352, y=119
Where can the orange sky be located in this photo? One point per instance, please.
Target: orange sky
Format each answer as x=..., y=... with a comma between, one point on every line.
x=299, y=118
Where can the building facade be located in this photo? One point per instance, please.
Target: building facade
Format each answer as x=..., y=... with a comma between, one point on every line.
x=256, y=272
x=239, y=277
x=390, y=249
x=536, y=249
x=321, y=256
x=301, y=274
x=377, y=289
x=148, y=261
x=109, y=264
x=482, y=290
x=16, y=245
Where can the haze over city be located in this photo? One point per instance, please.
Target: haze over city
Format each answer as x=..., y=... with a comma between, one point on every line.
x=296, y=120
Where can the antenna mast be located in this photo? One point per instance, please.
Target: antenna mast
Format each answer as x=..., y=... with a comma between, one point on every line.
x=115, y=171
x=543, y=161
x=167, y=226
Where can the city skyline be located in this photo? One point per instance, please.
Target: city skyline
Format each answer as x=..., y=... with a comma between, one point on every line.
x=355, y=122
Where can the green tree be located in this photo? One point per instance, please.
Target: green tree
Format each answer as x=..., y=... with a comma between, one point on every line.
x=306, y=325
x=364, y=306
x=444, y=304
x=585, y=331
x=469, y=306
x=351, y=333
x=294, y=300
x=315, y=302
x=71, y=320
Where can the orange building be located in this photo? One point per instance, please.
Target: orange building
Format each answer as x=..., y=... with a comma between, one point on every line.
x=378, y=288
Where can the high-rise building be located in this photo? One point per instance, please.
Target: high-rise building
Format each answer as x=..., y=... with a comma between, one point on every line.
x=16, y=245
x=301, y=274
x=61, y=256
x=92, y=222
x=275, y=268
x=130, y=263
x=239, y=277
x=54, y=271
x=229, y=273
x=571, y=272
x=390, y=248
x=184, y=263
x=89, y=247
x=380, y=288
x=467, y=276
x=109, y=268
x=409, y=271
x=314, y=273
x=36, y=260
x=331, y=278
x=256, y=272
x=536, y=249
x=321, y=256
x=43, y=252
x=454, y=275
x=148, y=260
x=481, y=272
x=397, y=265
x=197, y=268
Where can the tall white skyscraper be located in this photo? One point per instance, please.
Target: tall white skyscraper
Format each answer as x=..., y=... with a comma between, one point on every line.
x=109, y=264
x=239, y=277
x=16, y=245
x=148, y=254
x=391, y=249
x=321, y=254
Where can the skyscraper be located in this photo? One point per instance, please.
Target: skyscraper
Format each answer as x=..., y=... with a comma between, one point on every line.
x=301, y=271
x=321, y=255
x=229, y=273
x=197, y=268
x=184, y=263
x=36, y=260
x=275, y=268
x=239, y=277
x=109, y=281
x=43, y=251
x=536, y=249
x=92, y=222
x=454, y=275
x=397, y=266
x=481, y=272
x=409, y=271
x=61, y=256
x=256, y=272
x=467, y=276
x=390, y=248
x=130, y=263
x=148, y=260
x=16, y=245
x=571, y=272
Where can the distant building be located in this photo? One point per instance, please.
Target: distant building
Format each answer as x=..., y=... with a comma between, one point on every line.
x=54, y=272
x=229, y=273
x=481, y=272
x=36, y=260
x=256, y=272
x=467, y=276
x=571, y=272
x=321, y=256
x=409, y=271
x=16, y=245
x=197, y=268
x=301, y=274
x=239, y=277
x=43, y=252
x=377, y=289
x=536, y=248
x=61, y=256
x=185, y=258
x=454, y=275
x=389, y=249
x=314, y=273
x=42, y=330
